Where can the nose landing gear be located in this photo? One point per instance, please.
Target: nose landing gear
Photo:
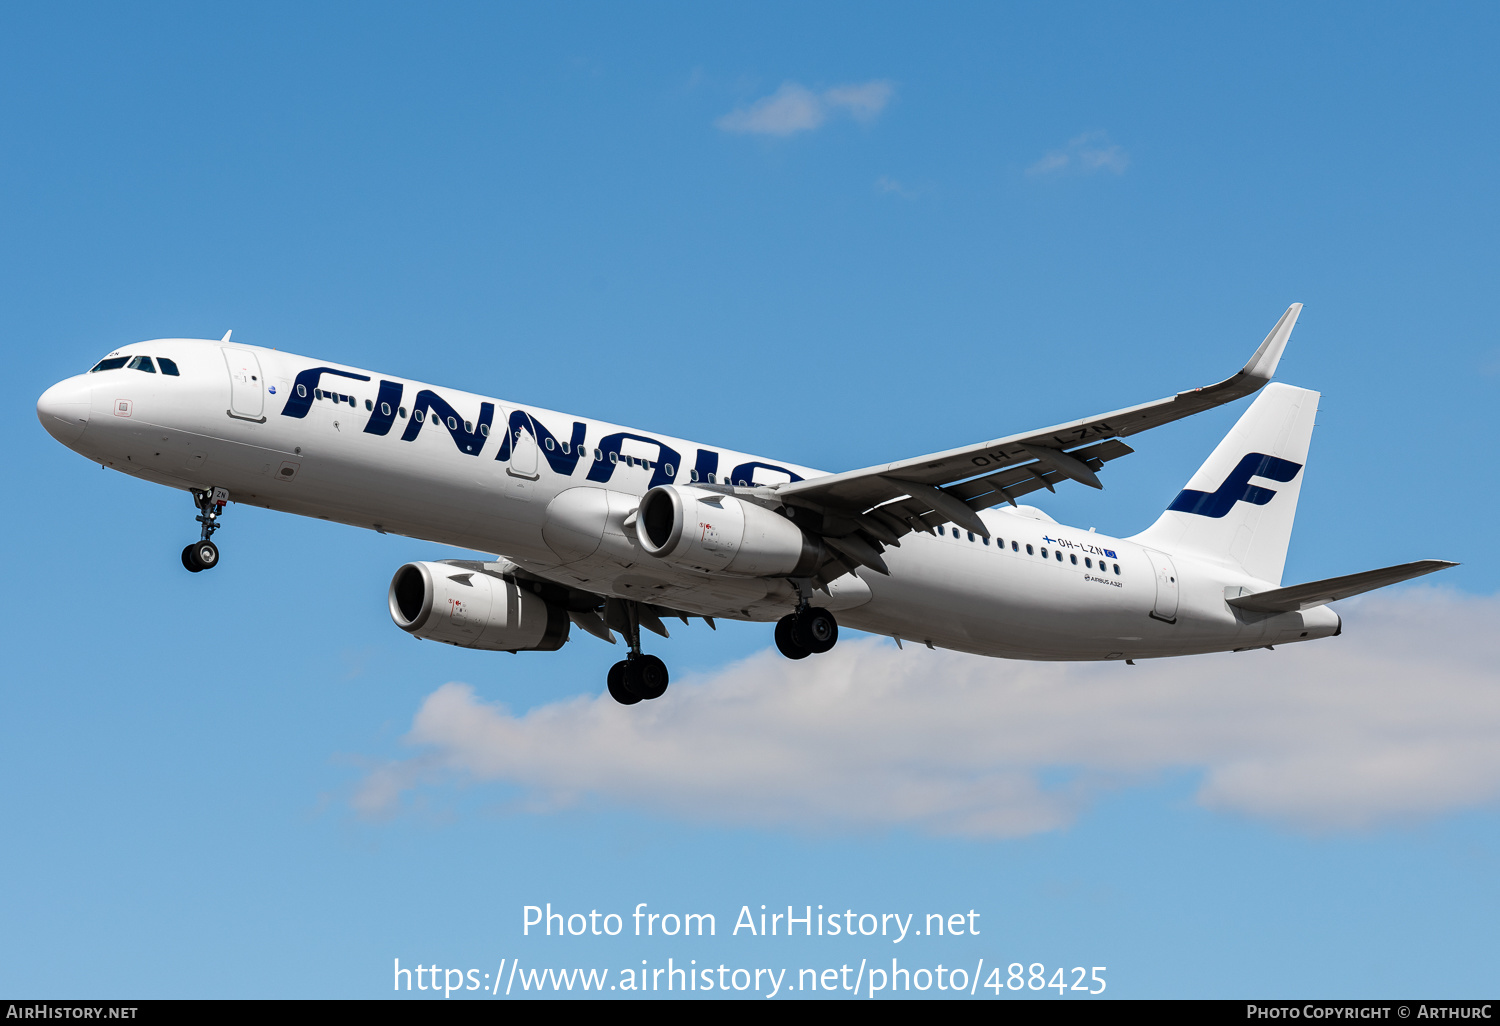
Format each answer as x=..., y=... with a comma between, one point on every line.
x=204, y=554
x=199, y=556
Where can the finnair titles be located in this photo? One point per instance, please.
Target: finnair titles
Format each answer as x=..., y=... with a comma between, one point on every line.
x=612, y=530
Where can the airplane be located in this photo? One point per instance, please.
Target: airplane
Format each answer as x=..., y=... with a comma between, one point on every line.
x=610, y=529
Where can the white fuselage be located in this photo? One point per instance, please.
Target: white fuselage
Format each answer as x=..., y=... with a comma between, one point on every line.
x=235, y=417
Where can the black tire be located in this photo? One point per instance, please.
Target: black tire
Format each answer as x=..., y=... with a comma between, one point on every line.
x=646, y=676
x=784, y=640
x=815, y=630
x=617, y=689
x=206, y=555
x=189, y=563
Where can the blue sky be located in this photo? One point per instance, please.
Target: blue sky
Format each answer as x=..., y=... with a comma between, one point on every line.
x=839, y=235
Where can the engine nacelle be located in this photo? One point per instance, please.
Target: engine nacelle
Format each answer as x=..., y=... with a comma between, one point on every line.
x=702, y=530
x=474, y=609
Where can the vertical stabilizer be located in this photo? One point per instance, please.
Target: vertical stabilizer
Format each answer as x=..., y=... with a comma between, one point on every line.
x=1238, y=508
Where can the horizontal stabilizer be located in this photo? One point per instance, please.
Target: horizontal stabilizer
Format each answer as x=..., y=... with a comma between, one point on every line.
x=1317, y=593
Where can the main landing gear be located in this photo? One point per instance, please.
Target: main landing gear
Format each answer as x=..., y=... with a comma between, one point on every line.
x=637, y=676
x=204, y=554
x=808, y=631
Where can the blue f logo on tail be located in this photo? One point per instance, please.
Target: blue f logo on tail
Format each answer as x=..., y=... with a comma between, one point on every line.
x=1237, y=486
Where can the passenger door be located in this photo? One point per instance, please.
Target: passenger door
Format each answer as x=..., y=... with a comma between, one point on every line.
x=247, y=394
x=1166, y=586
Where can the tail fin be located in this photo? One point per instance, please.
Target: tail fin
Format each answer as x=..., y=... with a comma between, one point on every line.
x=1221, y=515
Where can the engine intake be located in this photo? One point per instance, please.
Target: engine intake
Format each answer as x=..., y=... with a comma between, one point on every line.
x=698, y=529
x=471, y=608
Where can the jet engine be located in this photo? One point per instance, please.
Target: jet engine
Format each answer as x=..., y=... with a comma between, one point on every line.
x=698, y=529
x=474, y=608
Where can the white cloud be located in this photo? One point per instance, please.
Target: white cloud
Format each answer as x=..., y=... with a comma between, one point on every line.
x=794, y=108
x=1396, y=720
x=1085, y=154
x=885, y=185
x=863, y=102
x=1054, y=161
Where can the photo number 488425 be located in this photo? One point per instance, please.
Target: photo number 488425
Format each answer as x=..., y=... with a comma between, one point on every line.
x=1035, y=977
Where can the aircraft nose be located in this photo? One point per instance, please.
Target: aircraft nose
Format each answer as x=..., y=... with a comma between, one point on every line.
x=64, y=410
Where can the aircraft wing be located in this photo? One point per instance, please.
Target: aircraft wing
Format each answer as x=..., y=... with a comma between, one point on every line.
x=1317, y=593
x=883, y=503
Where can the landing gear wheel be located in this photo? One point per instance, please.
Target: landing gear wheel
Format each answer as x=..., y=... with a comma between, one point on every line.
x=637, y=676
x=784, y=640
x=206, y=555
x=815, y=629
x=646, y=676
x=617, y=689
x=203, y=555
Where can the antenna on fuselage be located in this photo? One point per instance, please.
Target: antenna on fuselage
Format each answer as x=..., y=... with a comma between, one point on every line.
x=226, y=336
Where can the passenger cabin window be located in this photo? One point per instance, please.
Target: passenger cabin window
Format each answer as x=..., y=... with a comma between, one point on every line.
x=1073, y=558
x=113, y=363
x=143, y=363
x=369, y=404
x=1117, y=569
x=1029, y=550
x=1059, y=556
x=168, y=367
x=1015, y=546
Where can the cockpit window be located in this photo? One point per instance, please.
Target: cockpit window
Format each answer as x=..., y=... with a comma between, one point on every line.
x=143, y=363
x=113, y=363
x=167, y=366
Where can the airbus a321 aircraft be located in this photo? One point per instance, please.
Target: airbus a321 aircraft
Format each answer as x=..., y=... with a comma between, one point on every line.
x=611, y=529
